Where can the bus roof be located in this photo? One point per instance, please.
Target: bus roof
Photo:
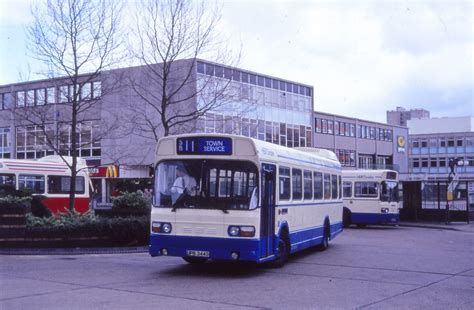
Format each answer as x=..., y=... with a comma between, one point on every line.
x=264, y=150
x=375, y=173
x=52, y=163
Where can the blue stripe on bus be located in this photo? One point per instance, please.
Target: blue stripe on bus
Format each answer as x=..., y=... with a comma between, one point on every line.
x=305, y=238
x=221, y=248
x=309, y=162
x=375, y=218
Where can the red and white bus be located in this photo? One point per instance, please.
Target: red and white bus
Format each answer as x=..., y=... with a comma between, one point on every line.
x=50, y=177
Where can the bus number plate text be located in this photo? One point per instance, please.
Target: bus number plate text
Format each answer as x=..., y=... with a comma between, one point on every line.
x=194, y=253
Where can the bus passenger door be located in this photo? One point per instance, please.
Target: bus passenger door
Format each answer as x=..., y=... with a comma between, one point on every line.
x=267, y=215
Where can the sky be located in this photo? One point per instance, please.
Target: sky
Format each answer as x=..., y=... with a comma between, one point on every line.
x=362, y=57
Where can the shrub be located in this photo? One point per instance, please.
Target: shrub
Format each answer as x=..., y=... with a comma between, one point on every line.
x=135, y=200
x=70, y=218
x=14, y=201
x=38, y=208
x=71, y=224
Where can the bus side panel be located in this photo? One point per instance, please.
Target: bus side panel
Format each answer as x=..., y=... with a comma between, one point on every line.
x=307, y=228
x=57, y=205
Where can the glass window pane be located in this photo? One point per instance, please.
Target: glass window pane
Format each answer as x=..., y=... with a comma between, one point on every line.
x=297, y=183
x=284, y=183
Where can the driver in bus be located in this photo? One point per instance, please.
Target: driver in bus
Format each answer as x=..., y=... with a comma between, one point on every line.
x=184, y=184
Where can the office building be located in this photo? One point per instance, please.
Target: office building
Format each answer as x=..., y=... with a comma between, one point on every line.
x=400, y=116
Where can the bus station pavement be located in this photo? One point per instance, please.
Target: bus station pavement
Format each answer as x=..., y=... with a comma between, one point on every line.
x=378, y=267
x=453, y=226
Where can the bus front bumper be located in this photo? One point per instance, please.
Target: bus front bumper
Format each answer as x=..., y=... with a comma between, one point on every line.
x=373, y=218
x=212, y=248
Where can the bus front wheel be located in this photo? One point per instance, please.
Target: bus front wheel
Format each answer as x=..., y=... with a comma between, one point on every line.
x=284, y=249
x=346, y=218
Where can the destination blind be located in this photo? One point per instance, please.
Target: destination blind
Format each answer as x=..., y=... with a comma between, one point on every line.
x=204, y=146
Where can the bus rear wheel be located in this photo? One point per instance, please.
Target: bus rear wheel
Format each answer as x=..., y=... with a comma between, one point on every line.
x=195, y=260
x=325, y=242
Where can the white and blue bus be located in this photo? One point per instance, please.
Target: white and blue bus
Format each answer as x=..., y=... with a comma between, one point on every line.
x=370, y=197
x=226, y=197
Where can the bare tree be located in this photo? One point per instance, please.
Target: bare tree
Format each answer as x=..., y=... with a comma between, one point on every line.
x=172, y=35
x=76, y=40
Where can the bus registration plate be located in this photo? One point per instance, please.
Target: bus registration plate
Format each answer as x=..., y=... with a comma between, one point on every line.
x=197, y=253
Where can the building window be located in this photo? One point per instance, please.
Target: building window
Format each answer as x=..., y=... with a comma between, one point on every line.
x=424, y=163
x=442, y=162
x=433, y=163
x=459, y=142
x=86, y=91
x=20, y=99
x=40, y=96
x=5, y=150
x=50, y=95
x=318, y=125
x=352, y=130
x=366, y=161
x=416, y=163
x=450, y=142
x=342, y=128
x=63, y=94
x=330, y=127
x=97, y=89
x=325, y=125
x=31, y=142
x=336, y=128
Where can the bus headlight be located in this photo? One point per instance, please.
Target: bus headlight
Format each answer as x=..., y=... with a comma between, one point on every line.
x=234, y=231
x=384, y=210
x=241, y=231
x=161, y=228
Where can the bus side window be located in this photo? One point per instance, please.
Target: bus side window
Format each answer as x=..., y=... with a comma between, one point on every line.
x=34, y=183
x=61, y=184
x=366, y=189
x=308, y=185
x=340, y=186
x=297, y=184
x=347, y=189
x=284, y=183
x=318, y=185
x=327, y=186
x=334, y=186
